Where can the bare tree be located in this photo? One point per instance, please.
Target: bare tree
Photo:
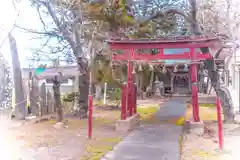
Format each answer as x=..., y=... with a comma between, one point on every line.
x=220, y=17
x=67, y=21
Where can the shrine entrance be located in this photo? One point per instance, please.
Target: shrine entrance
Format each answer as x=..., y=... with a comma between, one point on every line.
x=191, y=57
x=181, y=84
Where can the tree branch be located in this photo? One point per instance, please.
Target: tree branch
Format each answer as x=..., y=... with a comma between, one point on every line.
x=61, y=28
x=193, y=4
x=164, y=14
x=41, y=19
x=50, y=33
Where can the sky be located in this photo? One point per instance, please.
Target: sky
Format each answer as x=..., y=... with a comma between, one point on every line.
x=27, y=18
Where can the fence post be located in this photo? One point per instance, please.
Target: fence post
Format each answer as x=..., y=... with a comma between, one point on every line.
x=219, y=117
x=90, y=110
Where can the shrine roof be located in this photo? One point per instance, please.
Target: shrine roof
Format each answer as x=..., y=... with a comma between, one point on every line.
x=173, y=39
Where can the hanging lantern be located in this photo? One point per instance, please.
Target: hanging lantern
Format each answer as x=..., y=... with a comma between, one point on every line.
x=175, y=68
x=140, y=67
x=200, y=71
x=156, y=80
x=134, y=68
x=185, y=67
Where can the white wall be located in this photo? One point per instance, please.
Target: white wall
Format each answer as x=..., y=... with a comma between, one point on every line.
x=64, y=87
x=232, y=63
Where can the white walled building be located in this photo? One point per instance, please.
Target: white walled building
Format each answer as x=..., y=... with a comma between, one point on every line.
x=232, y=64
x=68, y=80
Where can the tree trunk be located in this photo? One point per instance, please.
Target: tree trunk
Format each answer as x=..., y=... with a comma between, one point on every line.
x=83, y=96
x=83, y=86
x=222, y=91
x=57, y=100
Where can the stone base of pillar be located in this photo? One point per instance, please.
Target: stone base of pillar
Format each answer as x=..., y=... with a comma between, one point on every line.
x=129, y=124
x=195, y=127
x=144, y=95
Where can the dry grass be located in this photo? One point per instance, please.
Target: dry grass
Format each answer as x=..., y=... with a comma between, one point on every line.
x=208, y=105
x=148, y=115
x=104, y=135
x=147, y=111
x=99, y=147
x=207, y=112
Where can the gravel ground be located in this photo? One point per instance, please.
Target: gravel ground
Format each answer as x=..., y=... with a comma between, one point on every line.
x=43, y=141
x=205, y=147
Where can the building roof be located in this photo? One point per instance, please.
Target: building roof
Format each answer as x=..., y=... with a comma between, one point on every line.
x=52, y=71
x=164, y=39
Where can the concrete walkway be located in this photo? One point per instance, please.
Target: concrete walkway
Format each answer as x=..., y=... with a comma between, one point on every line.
x=153, y=142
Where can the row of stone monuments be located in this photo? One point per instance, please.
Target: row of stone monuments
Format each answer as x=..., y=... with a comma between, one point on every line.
x=41, y=99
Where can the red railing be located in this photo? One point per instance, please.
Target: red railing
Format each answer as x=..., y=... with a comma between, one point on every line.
x=219, y=117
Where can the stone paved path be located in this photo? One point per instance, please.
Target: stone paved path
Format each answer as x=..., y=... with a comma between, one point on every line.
x=153, y=142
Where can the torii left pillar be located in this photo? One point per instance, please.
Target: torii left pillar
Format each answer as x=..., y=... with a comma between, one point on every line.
x=129, y=89
x=194, y=72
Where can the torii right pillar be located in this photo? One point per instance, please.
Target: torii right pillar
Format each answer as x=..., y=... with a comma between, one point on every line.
x=194, y=80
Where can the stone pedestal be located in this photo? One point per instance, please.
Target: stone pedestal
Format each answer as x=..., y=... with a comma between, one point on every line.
x=237, y=117
x=157, y=92
x=129, y=124
x=195, y=127
x=144, y=95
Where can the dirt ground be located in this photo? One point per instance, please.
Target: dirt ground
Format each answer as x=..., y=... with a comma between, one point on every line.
x=43, y=141
x=205, y=147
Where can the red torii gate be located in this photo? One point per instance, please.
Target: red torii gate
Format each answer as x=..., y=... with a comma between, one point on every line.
x=129, y=47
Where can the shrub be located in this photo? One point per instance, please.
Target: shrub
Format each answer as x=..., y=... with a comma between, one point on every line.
x=70, y=97
x=115, y=95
